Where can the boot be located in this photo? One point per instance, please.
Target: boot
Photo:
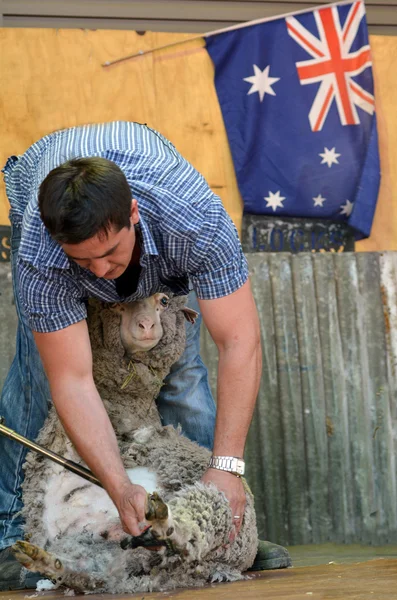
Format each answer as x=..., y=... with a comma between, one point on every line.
x=13, y=576
x=270, y=556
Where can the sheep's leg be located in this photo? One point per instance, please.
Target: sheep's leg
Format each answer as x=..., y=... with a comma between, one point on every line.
x=40, y=561
x=158, y=514
x=157, y=536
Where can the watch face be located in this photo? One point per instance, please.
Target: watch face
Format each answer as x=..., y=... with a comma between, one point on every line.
x=240, y=468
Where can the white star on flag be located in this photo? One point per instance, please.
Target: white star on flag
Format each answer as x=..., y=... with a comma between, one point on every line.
x=274, y=200
x=261, y=82
x=329, y=157
x=347, y=208
x=319, y=200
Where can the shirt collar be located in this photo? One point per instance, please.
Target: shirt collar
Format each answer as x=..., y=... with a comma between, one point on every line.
x=144, y=235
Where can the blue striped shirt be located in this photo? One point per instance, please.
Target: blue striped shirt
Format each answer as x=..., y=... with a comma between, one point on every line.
x=186, y=233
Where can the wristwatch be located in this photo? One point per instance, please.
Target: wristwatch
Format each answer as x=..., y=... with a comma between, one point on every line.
x=232, y=464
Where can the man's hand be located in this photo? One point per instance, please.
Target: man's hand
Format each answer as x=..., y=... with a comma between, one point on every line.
x=233, y=489
x=131, y=504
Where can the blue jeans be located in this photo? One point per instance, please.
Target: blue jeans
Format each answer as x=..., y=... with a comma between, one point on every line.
x=185, y=399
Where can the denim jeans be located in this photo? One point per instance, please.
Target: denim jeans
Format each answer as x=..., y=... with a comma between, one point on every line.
x=184, y=399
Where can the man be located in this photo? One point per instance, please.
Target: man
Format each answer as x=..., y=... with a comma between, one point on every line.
x=113, y=211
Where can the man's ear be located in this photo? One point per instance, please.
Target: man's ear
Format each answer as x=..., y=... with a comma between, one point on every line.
x=134, y=214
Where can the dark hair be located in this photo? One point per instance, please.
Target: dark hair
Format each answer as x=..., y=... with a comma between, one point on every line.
x=84, y=197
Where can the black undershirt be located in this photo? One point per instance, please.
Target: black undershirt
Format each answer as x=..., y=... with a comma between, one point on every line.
x=127, y=283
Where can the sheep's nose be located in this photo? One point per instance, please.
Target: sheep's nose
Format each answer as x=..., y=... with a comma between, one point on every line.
x=146, y=324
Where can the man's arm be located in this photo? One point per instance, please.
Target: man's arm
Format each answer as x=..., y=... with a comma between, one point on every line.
x=67, y=360
x=234, y=326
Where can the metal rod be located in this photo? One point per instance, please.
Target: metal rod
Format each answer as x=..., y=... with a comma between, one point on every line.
x=68, y=464
x=109, y=63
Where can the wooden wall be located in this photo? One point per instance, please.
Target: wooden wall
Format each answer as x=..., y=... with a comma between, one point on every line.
x=52, y=79
x=170, y=15
x=322, y=447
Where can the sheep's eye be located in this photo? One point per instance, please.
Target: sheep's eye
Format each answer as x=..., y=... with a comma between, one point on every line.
x=164, y=301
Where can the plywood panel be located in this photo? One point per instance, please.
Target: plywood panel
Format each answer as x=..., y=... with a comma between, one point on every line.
x=51, y=79
x=384, y=229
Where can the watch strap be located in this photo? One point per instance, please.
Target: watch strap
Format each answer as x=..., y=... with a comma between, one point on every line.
x=231, y=464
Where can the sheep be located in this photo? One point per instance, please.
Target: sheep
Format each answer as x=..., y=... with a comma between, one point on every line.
x=73, y=527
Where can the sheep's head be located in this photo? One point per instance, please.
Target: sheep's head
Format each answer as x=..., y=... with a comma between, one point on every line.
x=140, y=326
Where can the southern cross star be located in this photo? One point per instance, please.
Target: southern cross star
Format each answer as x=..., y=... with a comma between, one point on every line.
x=319, y=200
x=261, y=82
x=329, y=157
x=274, y=200
x=347, y=208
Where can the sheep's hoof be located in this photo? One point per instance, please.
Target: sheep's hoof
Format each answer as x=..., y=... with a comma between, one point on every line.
x=38, y=560
x=156, y=509
x=147, y=539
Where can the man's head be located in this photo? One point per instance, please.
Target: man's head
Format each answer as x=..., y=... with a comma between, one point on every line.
x=86, y=206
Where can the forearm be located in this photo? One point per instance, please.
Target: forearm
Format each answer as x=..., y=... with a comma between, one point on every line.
x=239, y=374
x=87, y=424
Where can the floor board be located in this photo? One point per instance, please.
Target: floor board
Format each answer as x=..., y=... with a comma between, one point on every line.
x=370, y=580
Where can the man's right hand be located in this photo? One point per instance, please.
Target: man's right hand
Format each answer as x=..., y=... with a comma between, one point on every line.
x=131, y=503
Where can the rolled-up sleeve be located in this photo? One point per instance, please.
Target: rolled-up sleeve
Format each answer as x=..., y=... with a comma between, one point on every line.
x=218, y=266
x=51, y=301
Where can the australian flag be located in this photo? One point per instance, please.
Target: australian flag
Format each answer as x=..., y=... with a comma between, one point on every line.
x=297, y=98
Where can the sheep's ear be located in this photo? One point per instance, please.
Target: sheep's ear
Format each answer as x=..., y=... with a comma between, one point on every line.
x=115, y=307
x=190, y=314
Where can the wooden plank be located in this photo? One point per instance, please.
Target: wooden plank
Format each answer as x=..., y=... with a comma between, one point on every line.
x=143, y=25
x=172, y=9
x=340, y=474
x=385, y=512
x=265, y=443
x=388, y=282
x=313, y=396
x=357, y=387
x=375, y=579
x=213, y=13
x=388, y=273
x=290, y=398
x=196, y=9
x=139, y=25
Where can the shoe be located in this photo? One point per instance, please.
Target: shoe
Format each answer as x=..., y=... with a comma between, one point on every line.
x=270, y=556
x=13, y=576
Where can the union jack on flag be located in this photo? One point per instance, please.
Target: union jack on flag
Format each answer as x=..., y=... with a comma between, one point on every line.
x=297, y=98
x=333, y=64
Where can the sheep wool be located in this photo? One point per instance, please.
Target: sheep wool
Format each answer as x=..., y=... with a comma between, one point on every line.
x=73, y=526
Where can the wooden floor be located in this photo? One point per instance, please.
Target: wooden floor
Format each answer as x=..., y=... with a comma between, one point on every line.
x=374, y=579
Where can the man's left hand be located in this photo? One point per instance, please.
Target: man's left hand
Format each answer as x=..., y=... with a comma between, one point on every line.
x=233, y=489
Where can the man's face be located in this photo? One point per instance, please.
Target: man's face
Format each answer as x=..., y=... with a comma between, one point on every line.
x=109, y=255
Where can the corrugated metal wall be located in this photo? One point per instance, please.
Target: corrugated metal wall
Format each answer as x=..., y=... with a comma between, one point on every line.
x=322, y=446
x=321, y=449
x=169, y=15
